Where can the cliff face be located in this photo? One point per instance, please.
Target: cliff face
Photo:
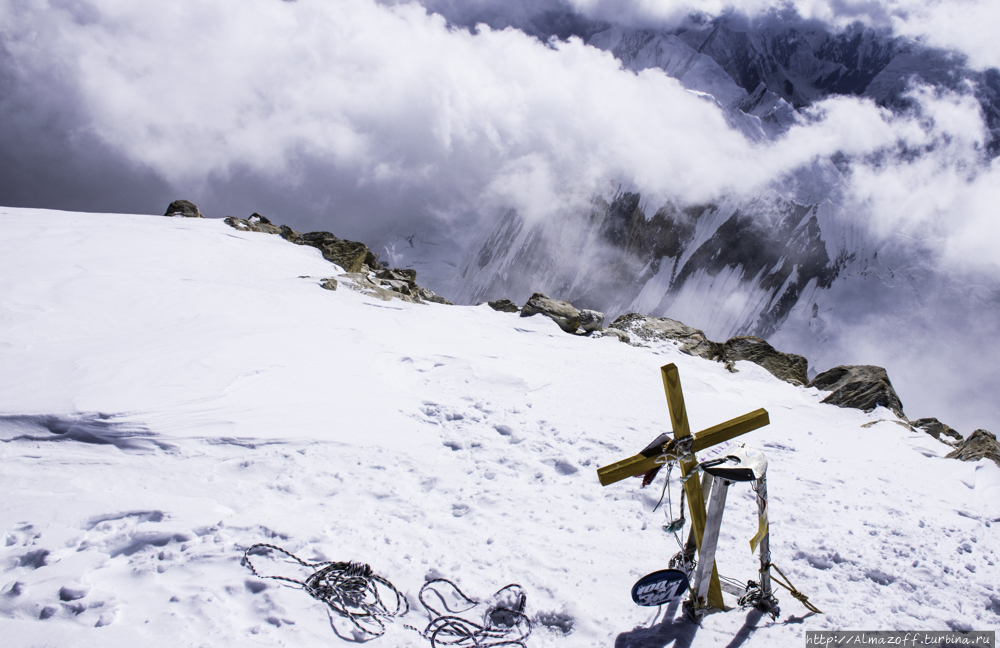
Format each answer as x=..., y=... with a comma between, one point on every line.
x=736, y=267
x=795, y=63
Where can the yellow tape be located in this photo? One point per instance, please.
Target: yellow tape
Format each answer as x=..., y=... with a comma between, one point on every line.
x=761, y=531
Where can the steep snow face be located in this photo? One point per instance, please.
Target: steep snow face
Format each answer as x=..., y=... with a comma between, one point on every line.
x=173, y=391
x=801, y=65
x=758, y=116
x=642, y=49
x=794, y=64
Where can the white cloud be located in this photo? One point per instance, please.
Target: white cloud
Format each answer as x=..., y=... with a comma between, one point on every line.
x=388, y=100
x=388, y=95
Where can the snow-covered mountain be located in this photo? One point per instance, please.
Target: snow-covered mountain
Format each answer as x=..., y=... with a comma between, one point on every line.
x=802, y=63
x=173, y=391
x=744, y=264
x=736, y=268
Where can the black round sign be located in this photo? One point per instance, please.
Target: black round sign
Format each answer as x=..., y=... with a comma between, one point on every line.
x=660, y=587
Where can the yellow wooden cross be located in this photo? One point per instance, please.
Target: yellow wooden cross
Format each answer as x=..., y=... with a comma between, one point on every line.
x=638, y=464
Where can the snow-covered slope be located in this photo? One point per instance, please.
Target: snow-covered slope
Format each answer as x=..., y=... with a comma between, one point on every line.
x=173, y=391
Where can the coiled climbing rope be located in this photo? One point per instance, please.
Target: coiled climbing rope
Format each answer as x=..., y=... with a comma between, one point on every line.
x=351, y=590
x=503, y=622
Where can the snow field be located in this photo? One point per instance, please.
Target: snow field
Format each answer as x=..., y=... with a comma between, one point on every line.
x=209, y=396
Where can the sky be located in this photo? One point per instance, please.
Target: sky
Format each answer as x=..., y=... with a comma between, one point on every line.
x=365, y=118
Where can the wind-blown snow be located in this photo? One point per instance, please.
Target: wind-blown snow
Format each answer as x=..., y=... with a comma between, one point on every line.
x=173, y=391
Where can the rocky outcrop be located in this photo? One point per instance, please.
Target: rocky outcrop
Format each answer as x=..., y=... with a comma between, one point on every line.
x=406, y=276
x=786, y=366
x=428, y=295
x=862, y=387
x=504, y=305
x=560, y=312
x=364, y=283
x=936, y=428
x=183, y=208
x=980, y=444
x=349, y=255
x=692, y=341
x=401, y=281
x=256, y=223
x=364, y=272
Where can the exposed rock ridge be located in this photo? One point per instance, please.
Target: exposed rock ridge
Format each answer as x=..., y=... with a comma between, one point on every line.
x=569, y=318
x=863, y=387
x=363, y=271
x=936, y=428
x=981, y=444
x=789, y=367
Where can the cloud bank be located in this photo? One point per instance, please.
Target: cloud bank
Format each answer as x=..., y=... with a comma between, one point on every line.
x=371, y=113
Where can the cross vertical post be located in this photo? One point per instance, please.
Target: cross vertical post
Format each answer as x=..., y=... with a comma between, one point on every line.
x=695, y=497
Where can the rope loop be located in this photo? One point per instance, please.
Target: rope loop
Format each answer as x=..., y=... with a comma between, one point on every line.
x=503, y=621
x=350, y=589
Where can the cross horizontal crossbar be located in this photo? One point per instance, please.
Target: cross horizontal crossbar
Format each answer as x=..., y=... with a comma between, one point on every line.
x=638, y=464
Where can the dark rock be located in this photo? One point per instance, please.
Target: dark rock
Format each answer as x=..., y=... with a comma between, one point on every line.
x=862, y=387
x=349, y=255
x=236, y=223
x=560, y=312
x=786, y=366
x=256, y=223
x=504, y=305
x=184, y=208
x=364, y=273
x=404, y=275
x=427, y=294
x=980, y=444
x=396, y=285
x=290, y=235
x=591, y=320
x=691, y=340
x=936, y=428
